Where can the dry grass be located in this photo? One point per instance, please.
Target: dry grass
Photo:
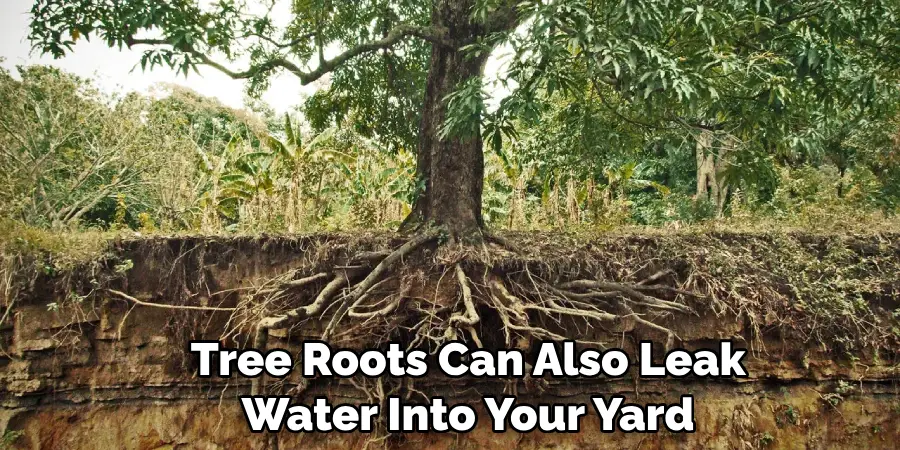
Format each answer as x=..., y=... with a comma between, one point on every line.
x=839, y=290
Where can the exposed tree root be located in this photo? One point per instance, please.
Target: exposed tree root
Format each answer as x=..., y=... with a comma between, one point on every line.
x=491, y=292
x=340, y=279
x=295, y=284
x=470, y=317
x=375, y=276
x=484, y=292
x=525, y=310
x=137, y=301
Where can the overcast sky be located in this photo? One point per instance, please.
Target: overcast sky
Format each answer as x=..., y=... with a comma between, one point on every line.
x=115, y=70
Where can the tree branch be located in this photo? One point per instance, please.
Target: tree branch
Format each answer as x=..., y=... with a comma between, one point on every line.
x=397, y=34
x=283, y=45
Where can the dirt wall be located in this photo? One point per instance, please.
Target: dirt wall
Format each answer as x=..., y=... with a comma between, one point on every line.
x=100, y=372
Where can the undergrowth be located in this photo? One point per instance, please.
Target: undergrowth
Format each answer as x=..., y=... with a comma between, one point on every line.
x=838, y=291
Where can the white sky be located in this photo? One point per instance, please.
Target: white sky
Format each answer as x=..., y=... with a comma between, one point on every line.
x=117, y=70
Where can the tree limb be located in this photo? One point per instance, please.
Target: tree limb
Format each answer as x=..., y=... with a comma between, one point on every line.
x=397, y=34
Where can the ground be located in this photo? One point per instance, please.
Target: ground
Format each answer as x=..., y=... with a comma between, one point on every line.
x=815, y=310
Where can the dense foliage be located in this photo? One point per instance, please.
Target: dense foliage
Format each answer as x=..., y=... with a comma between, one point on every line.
x=73, y=156
x=629, y=111
x=76, y=157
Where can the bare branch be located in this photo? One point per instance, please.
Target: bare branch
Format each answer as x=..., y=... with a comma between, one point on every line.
x=397, y=34
x=282, y=45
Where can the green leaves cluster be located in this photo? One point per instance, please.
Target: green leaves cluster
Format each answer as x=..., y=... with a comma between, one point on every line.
x=65, y=152
x=777, y=85
x=603, y=93
x=74, y=157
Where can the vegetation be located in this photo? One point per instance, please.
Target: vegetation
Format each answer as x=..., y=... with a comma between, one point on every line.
x=8, y=438
x=727, y=114
x=745, y=83
x=78, y=158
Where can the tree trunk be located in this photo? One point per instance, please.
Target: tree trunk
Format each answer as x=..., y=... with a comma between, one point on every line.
x=842, y=170
x=451, y=169
x=711, y=163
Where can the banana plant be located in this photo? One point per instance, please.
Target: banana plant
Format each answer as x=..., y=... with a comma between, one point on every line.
x=306, y=168
x=371, y=181
x=625, y=178
x=249, y=175
x=236, y=176
x=291, y=149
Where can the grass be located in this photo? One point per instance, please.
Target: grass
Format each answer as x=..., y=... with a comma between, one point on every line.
x=61, y=249
x=816, y=274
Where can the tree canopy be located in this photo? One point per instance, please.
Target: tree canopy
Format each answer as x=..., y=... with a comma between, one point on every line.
x=748, y=84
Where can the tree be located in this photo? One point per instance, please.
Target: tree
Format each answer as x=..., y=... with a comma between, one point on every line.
x=64, y=152
x=193, y=36
x=195, y=141
x=699, y=66
x=682, y=61
x=759, y=78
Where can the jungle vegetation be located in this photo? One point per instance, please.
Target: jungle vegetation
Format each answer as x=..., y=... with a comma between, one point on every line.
x=619, y=112
x=665, y=113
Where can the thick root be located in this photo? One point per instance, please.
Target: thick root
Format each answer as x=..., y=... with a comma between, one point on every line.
x=485, y=292
x=373, y=305
x=376, y=275
x=340, y=279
